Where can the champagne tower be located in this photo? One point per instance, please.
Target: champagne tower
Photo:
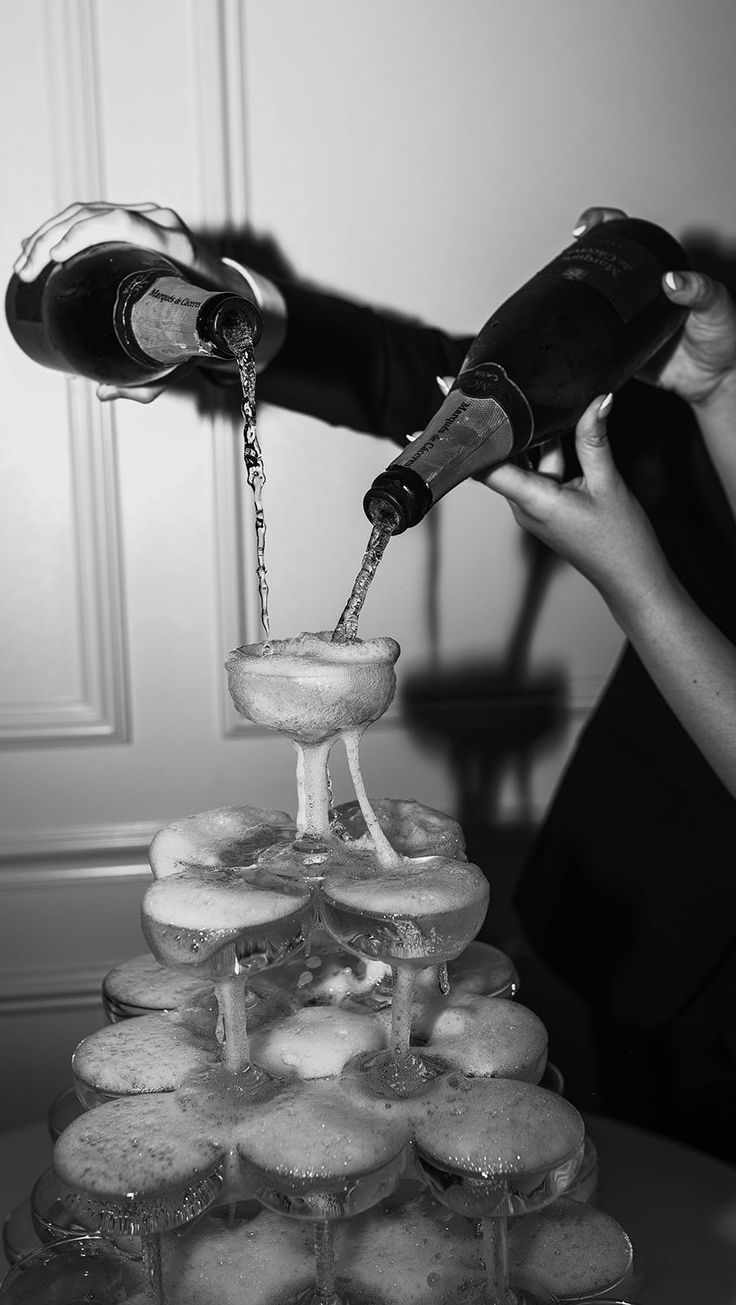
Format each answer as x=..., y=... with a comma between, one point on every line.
x=318, y=1089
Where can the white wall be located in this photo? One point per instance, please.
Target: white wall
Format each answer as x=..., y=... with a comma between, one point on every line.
x=422, y=155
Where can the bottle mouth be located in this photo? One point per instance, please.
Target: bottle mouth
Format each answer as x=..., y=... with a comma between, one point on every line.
x=231, y=317
x=400, y=493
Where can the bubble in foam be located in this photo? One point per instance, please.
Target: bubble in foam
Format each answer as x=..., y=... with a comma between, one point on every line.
x=429, y=886
x=315, y=1135
x=317, y=1042
x=488, y=1037
x=154, y=1053
x=498, y=1127
x=138, y=1146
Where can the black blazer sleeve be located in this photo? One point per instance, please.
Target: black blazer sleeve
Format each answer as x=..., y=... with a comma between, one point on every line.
x=351, y=365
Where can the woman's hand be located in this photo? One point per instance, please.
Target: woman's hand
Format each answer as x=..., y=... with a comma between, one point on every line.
x=149, y=225
x=594, y=521
x=704, y=359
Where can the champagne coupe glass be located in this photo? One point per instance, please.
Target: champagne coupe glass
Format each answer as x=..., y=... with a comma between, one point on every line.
x=296, y=1166
x=115, y=1182
x=315, y=691
x=214, y=915
x=52, y=1218
x=492, y=1148
x=414, y=913
x=141, y=986
x=85, y=1268
x=19, y=1234
x=223, y=926
x=65, y=1107
x=571, y=1249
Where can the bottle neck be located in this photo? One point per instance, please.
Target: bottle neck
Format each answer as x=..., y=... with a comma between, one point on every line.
x=167, y=319
x=484, y=420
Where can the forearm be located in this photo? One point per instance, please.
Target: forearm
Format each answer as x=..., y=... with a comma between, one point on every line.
x=346, y=363
x=717, y=421
x=694, y=667
x=353, y=366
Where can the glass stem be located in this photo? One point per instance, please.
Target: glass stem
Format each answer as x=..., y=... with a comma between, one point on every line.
x=151, y=1247
x=231, y=1002
x=324, y=1262
x=495, y=1257
x=402, y=992
x=313, y=815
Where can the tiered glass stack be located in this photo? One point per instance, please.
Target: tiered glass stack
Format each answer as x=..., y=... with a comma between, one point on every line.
x=318, y=1089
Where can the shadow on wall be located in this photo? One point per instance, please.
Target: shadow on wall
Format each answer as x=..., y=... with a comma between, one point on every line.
x=711, y=254
x=489, y=718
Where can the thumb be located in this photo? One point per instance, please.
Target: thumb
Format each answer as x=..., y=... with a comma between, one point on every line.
x=702, y=295
x=591, y=441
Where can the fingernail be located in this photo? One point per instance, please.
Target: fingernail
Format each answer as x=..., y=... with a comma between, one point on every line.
x=19, y=263
x=580, y=228
x=104, y=393
x=605, y=406
x=675, y=281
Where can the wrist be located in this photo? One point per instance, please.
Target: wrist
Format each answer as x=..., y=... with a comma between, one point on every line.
x=635, y=592
x=720, y=400
x=272, y=306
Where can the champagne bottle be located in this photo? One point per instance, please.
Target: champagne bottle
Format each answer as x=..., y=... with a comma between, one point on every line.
x=122, y=315
x=582, y=326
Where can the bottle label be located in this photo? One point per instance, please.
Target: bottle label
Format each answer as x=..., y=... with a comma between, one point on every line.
x=471, y=431
x=619, y=269
x=163, y=320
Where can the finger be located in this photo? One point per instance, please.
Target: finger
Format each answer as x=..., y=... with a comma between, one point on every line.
x=591, y=217
x=116, y=224
x=167, y=217
x=528, y=493
x=71, y=214
x=138, y=393
x=66, y=215
x=108, y=219
x=591, y=442
x=508, y=479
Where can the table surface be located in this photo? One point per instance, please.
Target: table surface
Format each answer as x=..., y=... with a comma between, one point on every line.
x=677, y=1205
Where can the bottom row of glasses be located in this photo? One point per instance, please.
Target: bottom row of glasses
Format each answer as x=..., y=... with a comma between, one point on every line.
x=88, y=1269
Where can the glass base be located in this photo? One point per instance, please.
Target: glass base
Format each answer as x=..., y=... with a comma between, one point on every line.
x=397, y=1073
x=344, y=1294
x=76, y=1269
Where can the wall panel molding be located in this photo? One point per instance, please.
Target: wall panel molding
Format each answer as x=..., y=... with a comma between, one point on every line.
x=32, y=858
x=50, y=989
x=101, y=711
